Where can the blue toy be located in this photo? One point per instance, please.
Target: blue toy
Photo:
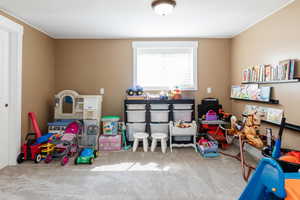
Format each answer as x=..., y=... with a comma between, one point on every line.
x=268, y=182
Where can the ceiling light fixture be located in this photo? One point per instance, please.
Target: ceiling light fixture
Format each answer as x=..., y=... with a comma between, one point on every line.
x=163, y=7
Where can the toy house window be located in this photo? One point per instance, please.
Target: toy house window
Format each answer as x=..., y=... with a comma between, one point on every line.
x=67, y=105
x=164, y=65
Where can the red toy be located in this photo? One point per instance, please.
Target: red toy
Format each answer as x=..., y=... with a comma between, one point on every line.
x=31, y=150
x=35, y=125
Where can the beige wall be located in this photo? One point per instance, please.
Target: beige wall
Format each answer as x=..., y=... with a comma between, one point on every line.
x=275, y=38
x=38, y=75
x=88, y=65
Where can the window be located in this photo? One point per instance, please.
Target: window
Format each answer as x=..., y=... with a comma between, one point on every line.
x=163, y=65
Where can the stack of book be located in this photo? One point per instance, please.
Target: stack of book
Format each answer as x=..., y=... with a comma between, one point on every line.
x=136, y=97
x=285, y=70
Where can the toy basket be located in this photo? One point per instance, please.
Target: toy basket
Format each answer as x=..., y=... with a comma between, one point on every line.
x=211, y=149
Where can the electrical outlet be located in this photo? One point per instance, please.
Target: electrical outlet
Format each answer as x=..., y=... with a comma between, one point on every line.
x=101, y=91
x=209, y=90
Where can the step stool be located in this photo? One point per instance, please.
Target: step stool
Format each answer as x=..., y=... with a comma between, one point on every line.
x=163, y=141
x=140, y=136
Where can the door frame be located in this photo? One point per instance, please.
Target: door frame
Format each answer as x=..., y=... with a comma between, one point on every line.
x=15, y=86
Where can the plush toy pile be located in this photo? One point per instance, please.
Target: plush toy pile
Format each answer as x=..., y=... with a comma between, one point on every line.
x=249, y=130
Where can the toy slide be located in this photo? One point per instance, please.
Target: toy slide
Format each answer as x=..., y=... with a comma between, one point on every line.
x=269, y=182
x=35, y=125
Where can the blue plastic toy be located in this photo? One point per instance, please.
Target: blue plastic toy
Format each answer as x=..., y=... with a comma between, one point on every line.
x=270, y=182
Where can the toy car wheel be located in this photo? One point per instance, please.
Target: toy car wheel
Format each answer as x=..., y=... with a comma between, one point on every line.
x=38, y=158
x=75, y=161
x=20, y=158
x=64, y=160
x=48, y=159
x=96, y=153
x=91, y=161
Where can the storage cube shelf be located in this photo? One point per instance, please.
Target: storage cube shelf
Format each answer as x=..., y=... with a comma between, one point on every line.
x=159, y=116
x=136, y=106
x=153, y=115
x=136, y=115
x=159, y=106
x=183, y=115
x=132, y=128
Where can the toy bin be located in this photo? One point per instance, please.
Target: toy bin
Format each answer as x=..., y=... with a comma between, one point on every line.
x=210, y=149
x=110, y=125
x=136, y=106
x=183, y=115
x=159, y=128
x=182, y=106
x=110, y=143
x=159, y=106
x=136, y=115
x=132, y=128
x=159, y=116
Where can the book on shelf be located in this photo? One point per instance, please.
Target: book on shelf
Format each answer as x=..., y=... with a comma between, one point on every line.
x=284, y=70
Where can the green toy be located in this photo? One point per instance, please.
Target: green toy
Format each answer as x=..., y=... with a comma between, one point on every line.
x=123, y=131
x=86, y=156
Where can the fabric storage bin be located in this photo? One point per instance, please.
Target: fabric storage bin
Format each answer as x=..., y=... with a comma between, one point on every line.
x=110, y=143
x=132, y=128
x=159, y=116
x=159, y=128
x=136, y=106
x=182, y=115
x=136, y=116
x=182, y=106
x=159, y=106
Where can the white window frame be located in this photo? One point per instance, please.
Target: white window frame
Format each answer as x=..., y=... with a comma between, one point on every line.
x=192, y=45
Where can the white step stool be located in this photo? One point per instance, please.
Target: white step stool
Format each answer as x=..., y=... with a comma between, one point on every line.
x=163, y=141
x=140, y=136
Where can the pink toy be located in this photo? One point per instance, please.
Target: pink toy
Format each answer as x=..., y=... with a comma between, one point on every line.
x=211, y=115
x=110, y=143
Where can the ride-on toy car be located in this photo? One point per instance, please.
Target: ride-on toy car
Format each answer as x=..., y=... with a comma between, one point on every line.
x=30, y=150
x=86, y=156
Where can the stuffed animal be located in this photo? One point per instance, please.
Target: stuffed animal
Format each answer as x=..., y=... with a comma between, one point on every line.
x=249, y=130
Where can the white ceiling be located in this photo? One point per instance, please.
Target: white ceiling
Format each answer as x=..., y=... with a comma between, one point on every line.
x=136, y=19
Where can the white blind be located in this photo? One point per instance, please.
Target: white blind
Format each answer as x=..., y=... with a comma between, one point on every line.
x=164, y=68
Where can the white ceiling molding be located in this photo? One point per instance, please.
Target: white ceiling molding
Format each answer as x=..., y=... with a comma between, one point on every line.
x=263, y=18
x=25, y=22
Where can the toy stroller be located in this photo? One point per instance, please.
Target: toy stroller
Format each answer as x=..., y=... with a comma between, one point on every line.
x=67, y=146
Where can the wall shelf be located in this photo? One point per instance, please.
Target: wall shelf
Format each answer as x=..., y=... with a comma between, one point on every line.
x=273, y=82
x=272, y=101
x=287, y=125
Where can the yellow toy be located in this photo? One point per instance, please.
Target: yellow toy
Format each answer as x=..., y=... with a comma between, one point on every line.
x=47, y=149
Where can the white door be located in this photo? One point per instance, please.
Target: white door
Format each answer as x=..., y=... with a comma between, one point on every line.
x=4, y=53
